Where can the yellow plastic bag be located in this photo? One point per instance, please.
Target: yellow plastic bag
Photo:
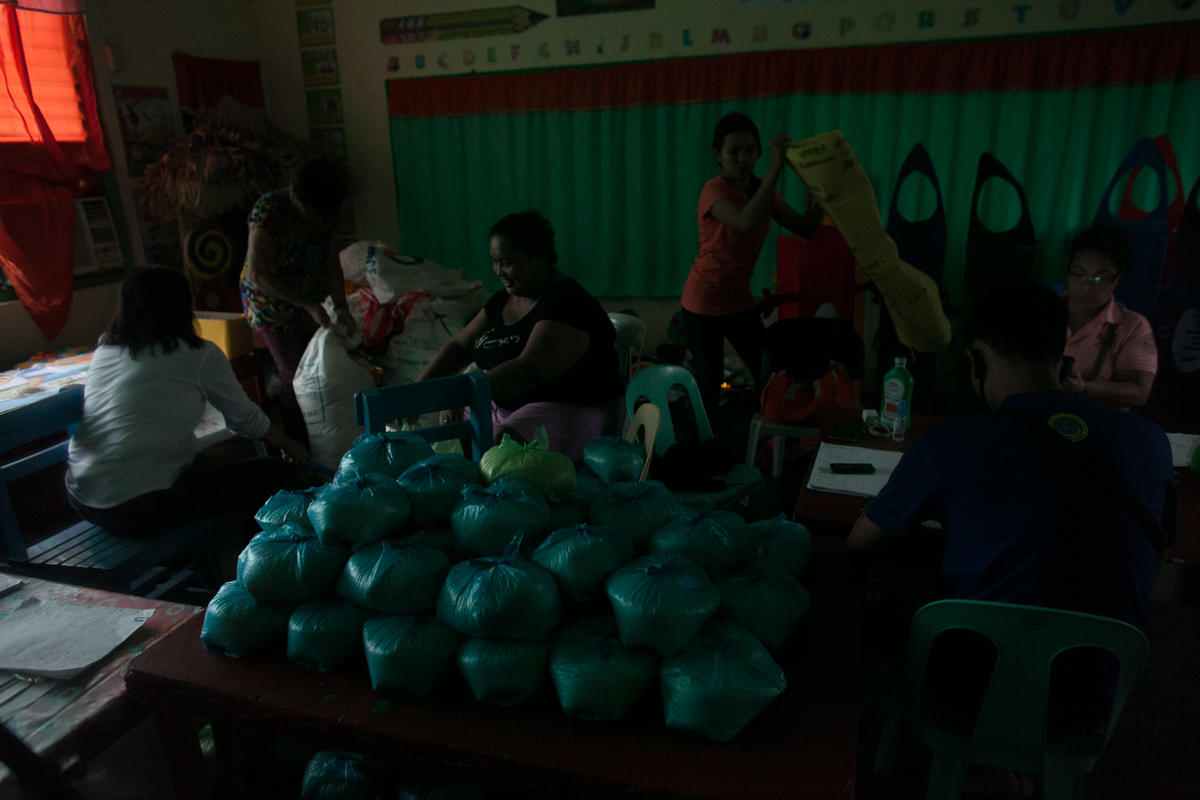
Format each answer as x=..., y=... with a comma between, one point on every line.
x=836, y=179
x=551, y=473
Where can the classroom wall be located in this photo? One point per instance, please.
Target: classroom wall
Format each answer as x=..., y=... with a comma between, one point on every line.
x=140, y=35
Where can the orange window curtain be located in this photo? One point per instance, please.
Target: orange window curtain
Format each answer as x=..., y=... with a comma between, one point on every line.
x=51, y=149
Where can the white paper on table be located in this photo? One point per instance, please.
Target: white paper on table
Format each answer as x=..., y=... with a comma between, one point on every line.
x=61, y=640
x=1183, y=445
x=823, y=479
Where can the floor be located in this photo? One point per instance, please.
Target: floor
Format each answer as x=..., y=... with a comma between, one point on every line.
x=1158, y=734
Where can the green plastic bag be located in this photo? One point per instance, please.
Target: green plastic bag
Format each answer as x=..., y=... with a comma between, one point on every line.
x=487, y=517
x=500, y=597
x=551, y=473
x=636, y=509
x=660, y=601
x=284, y=507
x=614, y=459
x=597, y=677
x=723, y=680
x=290, y=565
x=395, y=576
x=766, y=601
x=335, y=775
x=368, y=509
x=581, y=557
x=716, y=540
x=388, y=453
x=237, y=624
x=435, y=485
x=787, y=543
x=503, y=672
x=408, y=654
x=325, y=634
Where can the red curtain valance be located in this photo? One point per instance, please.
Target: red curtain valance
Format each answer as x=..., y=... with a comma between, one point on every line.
x=1135, y=57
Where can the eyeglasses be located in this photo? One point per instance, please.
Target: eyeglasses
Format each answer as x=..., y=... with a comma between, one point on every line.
x=1092, y=281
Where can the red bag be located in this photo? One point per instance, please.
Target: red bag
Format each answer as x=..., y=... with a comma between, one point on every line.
x=788, y=400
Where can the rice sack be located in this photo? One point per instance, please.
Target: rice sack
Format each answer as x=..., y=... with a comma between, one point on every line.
x=766, y=601
x=370, y=508
x=787, y=544
x=551, y=473
x=722, y=681
x=408, y=654
x=595, y=676
x=581, y=557
x=636, y=509
x=716, y=540
x=507, y=596
x=395, y=576
x=237, y=624
x=615, y=460
x=325, y=634
x=503, y=672
x=487, y=517
x=284, y=507
x=435, y=486
x=290, y=565
x=388, y=453
x=660, y=601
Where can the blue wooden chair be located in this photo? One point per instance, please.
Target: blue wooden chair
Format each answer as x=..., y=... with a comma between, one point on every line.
x=374, y=409
x=654, y=384
x=1011, y=727
x=34, y=438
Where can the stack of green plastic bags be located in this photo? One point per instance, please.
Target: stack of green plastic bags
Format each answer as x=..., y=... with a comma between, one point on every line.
x=518, y=572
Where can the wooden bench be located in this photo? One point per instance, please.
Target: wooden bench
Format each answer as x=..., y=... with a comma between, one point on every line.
x=34, y=438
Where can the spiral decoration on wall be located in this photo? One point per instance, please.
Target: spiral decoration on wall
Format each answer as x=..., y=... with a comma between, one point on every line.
x=208, y=252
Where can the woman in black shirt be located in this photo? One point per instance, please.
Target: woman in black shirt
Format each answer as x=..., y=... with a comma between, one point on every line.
x=547, y=346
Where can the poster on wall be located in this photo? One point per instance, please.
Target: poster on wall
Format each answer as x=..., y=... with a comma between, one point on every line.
x=575, y=8
x=145, y=119
x=324, y=106
x=458, y=24
x=320, y=67
x=315, y=26
x=329, y=142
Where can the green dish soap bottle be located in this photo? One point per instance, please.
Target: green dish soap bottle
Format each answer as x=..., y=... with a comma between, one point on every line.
x=896, y=413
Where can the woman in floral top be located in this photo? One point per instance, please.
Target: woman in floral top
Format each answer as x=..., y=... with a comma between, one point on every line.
x=290, y=266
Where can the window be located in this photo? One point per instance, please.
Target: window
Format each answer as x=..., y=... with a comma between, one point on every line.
x=45, y=43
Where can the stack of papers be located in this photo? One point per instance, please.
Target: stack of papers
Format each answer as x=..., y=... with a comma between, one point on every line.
x=823, y=479
x=61, y=640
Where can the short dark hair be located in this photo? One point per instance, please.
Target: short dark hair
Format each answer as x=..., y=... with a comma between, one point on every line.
x=1023, y=322
x=1107, y=240
x=320, y=184
x=154, y=307
x=732, y=123
x=530, y=233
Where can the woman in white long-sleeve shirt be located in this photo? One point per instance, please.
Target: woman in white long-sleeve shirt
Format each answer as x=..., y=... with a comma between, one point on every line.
x=133, y=464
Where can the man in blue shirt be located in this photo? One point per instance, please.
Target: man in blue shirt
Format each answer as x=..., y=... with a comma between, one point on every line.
x=1026, y=521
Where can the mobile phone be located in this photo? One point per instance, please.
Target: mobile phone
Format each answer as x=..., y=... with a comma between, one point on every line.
x=852, y=468
x=846, y=430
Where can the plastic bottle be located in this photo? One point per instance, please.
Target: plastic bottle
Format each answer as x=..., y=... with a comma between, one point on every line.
x=897, y=399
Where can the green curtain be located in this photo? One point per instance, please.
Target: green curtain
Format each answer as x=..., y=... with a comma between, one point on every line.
x=620, y=183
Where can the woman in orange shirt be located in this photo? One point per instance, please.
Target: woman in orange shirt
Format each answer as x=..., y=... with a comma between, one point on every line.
x=734, y=216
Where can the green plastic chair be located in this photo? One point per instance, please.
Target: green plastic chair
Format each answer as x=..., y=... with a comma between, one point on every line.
x=1011, y=728
x=654, y=384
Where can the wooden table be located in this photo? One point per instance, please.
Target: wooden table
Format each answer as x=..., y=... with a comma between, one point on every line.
x=833, y=514
x=802, y=746
x=66, y=720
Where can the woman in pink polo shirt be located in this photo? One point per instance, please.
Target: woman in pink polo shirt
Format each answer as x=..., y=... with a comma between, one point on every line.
x=734, y=215
x=1114, y=351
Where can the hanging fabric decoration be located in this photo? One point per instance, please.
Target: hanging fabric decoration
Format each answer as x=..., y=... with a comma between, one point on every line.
x=1139, y=285
x=998, y=258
